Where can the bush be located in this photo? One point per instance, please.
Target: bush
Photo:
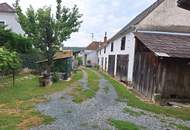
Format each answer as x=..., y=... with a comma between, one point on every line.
x=55, y=77
x=29, y=59
x=79, y=60
x=97, y=67
x=14, y=42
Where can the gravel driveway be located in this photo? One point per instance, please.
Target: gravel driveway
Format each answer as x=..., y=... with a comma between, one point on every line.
x=94, y=113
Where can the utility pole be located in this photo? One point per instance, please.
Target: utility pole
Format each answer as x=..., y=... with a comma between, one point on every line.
x=92, y=36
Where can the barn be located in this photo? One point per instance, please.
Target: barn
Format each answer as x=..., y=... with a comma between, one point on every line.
x=162, y=66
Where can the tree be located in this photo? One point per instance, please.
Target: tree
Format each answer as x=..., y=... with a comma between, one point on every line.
x=48, y=31
x=9, y=61
x=13, y=41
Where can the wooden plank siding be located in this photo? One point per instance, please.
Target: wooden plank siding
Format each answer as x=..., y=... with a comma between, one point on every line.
x=145, y=67
x=170, y=77
x=122, y=67
x=177, y=79
x=111, y=64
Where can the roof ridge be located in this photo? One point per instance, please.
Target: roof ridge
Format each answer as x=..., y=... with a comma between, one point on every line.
x=139, y=17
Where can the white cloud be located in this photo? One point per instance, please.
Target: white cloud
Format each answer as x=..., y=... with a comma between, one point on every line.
x=98, y=16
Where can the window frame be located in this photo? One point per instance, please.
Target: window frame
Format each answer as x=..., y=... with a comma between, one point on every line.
x=123, y=42
x=2, y=21
x=112, y=46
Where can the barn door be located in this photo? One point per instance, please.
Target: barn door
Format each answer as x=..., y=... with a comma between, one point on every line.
x=106, y=64
x=122, y=67
x=111, y=65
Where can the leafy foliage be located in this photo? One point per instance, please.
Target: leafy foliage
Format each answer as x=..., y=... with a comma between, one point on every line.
x=30, y=58
x=8, y=60
x=55, y=77
x=47, y=31
x=13, y=41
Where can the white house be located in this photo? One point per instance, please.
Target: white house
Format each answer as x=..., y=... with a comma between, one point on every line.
x=117, y=57
x=90, y=54
x=8, y=17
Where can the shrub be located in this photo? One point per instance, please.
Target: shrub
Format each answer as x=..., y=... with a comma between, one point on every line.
x=55, y=77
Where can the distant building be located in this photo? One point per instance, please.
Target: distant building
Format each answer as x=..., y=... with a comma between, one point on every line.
x=90, y=54
x=9, y=18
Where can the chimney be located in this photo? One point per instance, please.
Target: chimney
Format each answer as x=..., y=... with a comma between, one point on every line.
x=105, y=37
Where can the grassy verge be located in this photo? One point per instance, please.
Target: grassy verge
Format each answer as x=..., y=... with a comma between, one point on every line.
x=126, y=95
x=124, y=125
x=80, y=94
x=181, y=127
x=17, y=103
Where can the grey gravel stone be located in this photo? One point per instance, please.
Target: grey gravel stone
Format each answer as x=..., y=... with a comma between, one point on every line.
x=94, y=113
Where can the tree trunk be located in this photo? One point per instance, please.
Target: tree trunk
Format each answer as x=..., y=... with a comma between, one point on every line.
x=13, y=78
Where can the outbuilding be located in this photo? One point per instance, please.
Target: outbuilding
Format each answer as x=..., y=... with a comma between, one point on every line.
x=162, y=66
x=62, y=64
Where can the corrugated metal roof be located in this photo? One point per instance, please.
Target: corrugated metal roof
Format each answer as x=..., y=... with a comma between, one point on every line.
x=60, y=55
x=166, y=45
x=4, y=7
x=138, y=19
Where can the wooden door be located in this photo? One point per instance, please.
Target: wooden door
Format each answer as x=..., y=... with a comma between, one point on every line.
x=122, y=67
x=111, y=64
x=106, y=64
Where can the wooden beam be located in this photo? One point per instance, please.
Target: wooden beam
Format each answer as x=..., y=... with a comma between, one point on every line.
x=184, y=4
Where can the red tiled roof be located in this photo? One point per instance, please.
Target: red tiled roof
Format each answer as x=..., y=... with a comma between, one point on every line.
x=94, y=45
x=4, y=7
x=166, y=45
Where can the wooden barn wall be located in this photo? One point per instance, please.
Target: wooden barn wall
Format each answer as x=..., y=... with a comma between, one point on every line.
x=145, y=70
x=177, y=79
x=167, y=76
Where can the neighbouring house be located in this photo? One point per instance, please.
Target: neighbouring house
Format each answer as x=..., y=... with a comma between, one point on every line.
x=90, y=54
x=184, y=4
x=161, y=16
x=162, y=66
x=9, y=18
x=62, y=64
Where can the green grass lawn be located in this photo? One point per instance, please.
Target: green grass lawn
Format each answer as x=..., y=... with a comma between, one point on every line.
x=126, y=95
x=125, y=125
x=17, y=103
x=80, y=94
x=181, y=127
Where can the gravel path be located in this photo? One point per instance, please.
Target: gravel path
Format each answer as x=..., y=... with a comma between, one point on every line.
x=94, y=113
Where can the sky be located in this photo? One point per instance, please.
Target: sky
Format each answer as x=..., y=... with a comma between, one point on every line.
x=99, y=16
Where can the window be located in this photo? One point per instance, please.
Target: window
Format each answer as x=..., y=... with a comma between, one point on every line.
x=104, y=50
x=112, y=46
x=123, y=43
x=2, y=23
